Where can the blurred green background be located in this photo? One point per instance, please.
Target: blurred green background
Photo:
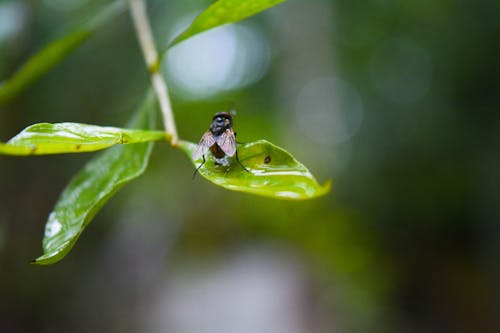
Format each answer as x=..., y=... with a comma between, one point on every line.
x=396, y=101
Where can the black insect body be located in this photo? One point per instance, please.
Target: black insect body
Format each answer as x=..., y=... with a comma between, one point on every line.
x=220, y=139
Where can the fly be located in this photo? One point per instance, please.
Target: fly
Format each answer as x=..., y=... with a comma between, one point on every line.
x=220, y=139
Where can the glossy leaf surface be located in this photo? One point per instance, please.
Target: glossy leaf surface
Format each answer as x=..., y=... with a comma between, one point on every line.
x=45, y=138
x=52, y=54
x=272, y=172
x=222, y=12
x=91, y=188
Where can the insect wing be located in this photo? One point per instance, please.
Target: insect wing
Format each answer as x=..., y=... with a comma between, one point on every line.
x=227, y=142
x=207, y=141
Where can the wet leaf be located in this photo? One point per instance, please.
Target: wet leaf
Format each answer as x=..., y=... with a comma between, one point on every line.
x=45, y=138
x=92, y=187
x=52, y=54
x=222, y=12
x=272, y=172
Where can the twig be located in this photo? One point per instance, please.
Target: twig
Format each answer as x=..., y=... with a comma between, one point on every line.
x=145, y=37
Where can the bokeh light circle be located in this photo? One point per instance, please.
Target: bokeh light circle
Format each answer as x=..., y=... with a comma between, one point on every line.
x=328, y=110
x=226, y=58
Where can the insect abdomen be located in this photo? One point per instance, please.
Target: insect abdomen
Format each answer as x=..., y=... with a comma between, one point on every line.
x=217, y=151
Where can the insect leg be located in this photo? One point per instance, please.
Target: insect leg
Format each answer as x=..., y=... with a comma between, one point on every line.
x=238, y=160
x=196, y=171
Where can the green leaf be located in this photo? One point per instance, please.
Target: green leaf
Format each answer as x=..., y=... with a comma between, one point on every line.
x=52, y=54
x=92, y=187
x=45, y=138
x=223, y=12
x=272, y=172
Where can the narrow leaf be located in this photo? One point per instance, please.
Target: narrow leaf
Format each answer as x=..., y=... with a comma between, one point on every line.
x=223, y=12
x=45, y=138
x=272, y=172
x=52, y=54
x=92, y=187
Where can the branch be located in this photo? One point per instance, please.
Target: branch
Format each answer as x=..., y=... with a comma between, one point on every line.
x=145, y=37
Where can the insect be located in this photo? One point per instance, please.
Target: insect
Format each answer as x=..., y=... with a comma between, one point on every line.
x=220, y=139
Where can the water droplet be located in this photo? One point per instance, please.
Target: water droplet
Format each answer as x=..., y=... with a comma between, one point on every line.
x=53, y=226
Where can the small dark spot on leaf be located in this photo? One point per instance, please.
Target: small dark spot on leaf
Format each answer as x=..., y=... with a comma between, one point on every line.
x=33, y=150
x=77, y=147
x=267, y=159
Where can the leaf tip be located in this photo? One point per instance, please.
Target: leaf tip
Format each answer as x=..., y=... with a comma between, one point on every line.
x=327, y=186
x=35, y=262
x=44, y=260
x=323, y=189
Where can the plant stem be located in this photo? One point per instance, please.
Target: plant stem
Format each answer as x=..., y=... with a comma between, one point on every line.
x=145, y=37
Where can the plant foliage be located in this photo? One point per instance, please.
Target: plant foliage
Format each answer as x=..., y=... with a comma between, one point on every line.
x=268, y=170
x=92, y=187
x=45, y=138
x=223, y=12
x=55, y=52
